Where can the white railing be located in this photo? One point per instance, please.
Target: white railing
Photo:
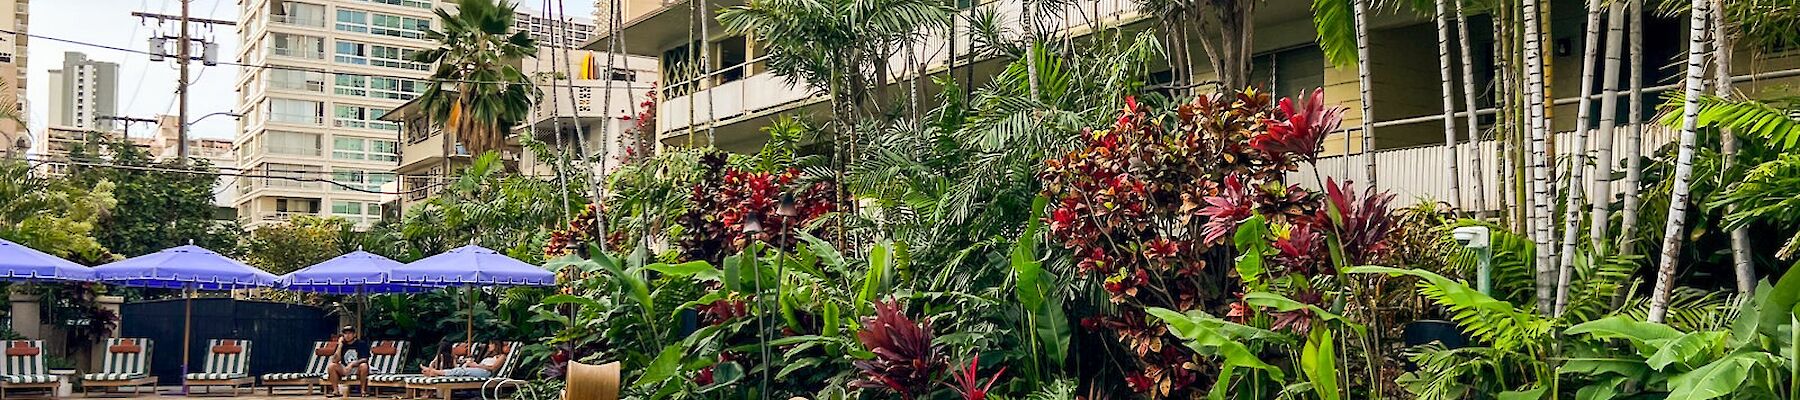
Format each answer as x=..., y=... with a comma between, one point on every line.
x=1417, y=173
x=764, y=90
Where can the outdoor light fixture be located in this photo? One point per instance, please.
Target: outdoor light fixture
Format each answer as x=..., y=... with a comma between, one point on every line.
x=787, y=209
x=1476, y=238
x=752, y=225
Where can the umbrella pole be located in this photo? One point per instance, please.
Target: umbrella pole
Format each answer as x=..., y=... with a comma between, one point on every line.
x=471, y=333
x=187, y=332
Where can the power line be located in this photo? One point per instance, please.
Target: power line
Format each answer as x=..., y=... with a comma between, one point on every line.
x=216, y=173
x=304, y=69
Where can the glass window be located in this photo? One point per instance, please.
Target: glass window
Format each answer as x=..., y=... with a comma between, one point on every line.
x=289, y=79
x=354, y=116
x=297, y=13
x=293, y=143
x=352, y=21
x=353, y=148
x=425, y=4
x=300, y=46
x=352, y=53
x=343, y=148
x=351, y=85
x=296, y=111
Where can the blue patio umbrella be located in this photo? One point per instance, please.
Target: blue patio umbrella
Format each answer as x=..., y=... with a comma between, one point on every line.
x=189, y=268
x=472, y=266
x=356, y=272
x=21, y=263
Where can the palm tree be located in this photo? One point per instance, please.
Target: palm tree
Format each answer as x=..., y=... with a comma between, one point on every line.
x=1535, y=121
x=1450, y=161
x=478, y=93
x=1634, y=139
x=1359, y=10
x=1684, y=160
x=1601, y=184
x=1578, y=157
x=1468, y=80
x=1742, y=264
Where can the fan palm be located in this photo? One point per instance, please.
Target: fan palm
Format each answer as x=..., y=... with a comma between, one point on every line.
x=479, y=92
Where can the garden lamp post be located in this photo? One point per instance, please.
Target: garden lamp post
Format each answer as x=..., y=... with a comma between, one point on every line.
x=1476, y=238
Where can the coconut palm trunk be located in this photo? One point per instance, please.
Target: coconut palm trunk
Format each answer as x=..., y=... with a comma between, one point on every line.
x=1450, y=161
x=1572, y=205
x=1609, y=106
x=1468, y=82
x=1539, y=156
x=1684, y=161
x=1742, y=263
x=1360, y=10
x=1634, y=135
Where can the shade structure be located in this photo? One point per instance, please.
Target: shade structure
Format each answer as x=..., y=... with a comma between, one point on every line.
x=21, y=263
x=472, y=266
x=189, y=266
x=356, y=272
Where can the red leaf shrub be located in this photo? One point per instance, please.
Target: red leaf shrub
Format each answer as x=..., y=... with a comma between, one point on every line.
x=905, y=359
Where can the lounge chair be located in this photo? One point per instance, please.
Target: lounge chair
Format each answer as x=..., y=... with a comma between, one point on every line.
x=227, y=364
x=395, y=377
x=127, y=364
x=387, y=357
x=309, y=377
x=24, y=368
x=445, y=385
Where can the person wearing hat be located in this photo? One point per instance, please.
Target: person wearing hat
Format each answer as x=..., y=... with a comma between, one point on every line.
x=351, y=358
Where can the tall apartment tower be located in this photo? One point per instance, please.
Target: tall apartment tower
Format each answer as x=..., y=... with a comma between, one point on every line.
x=14, y=16
x=333, y=69
x=83, y=92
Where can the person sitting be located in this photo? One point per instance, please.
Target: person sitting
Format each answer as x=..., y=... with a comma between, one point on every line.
x=351, y=358
x=496, y=356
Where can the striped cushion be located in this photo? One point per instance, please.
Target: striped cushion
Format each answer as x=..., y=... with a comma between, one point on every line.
x=124, y=365
x=391, y=377
x=29, y=362
x=432, y=380
x=103, y=376
x=30, y=378
x=226, y=364
x=291, y=376
x=213, y=376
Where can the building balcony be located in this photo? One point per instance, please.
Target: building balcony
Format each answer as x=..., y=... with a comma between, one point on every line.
x=731, y=110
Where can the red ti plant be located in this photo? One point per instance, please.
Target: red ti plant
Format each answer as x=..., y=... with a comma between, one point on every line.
x=1299, y=131
x=905, y=359
x=968, y=382
x=727, y=201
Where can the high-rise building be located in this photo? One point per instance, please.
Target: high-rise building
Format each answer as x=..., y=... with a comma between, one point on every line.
x=312, y=115
x=540, y=27
x=13, y=17
x=83, y=92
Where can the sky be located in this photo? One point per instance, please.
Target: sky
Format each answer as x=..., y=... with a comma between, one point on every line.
x=147, y=88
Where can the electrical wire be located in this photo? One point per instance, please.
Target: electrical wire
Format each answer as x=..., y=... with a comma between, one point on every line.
x=301, y=69
x=220, y=172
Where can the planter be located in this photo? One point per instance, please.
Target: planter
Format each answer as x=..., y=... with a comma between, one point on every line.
x=1430, y=330
x=67, y=379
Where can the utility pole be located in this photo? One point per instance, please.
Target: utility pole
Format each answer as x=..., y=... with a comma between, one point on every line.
x=127, y=121
x=184, y=54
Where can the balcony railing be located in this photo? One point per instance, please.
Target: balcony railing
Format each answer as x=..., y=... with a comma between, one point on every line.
x=298, y=53
x=298, y=20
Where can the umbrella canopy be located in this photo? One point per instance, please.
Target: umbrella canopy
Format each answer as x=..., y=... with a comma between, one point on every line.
x=472, y=266
x=358, y=271
x=20, y=263
x=187, y=266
